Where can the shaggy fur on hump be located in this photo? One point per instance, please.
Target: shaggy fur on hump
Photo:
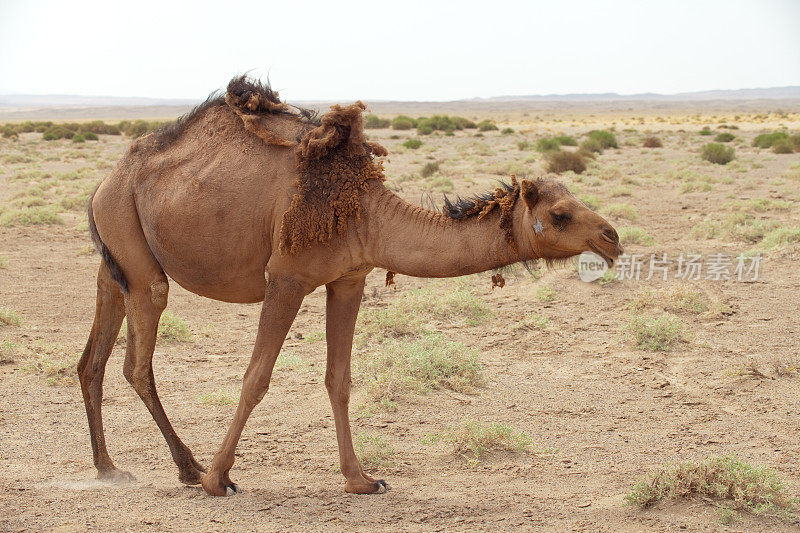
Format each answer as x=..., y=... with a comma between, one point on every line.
x=503, y=197
x=250, y=99
x=335, y=164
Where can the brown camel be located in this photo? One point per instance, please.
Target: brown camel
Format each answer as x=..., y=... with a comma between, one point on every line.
x=247, y=199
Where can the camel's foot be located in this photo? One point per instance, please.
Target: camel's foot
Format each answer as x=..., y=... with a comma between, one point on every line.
x=219, y=484
x=191, y=475
x=115, y=475
x=366, y=486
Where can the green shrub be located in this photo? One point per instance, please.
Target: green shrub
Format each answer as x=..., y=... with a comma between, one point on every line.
x=546, y=144
x=462, y=123
x=402, y=122
x=706, y=131
x=136, y=129
x=485, y=125
x=558, y=162
x=724, y=137
x=718, y=154
x=172, y=329
x=507, y=131
x=766, y=140
x=429, y=169
x=375, y=122
x=566, y=140
x=90, y=136
x=473, y=440
x=656, y=334
x=652, y=142
x=78, y=138
x=424, y=129
x=605, y=138
x=634, y=235
x=755, y=489
x=591, y=146
x=57, y=132
x=430, y=362
x=413, y=144
x=523, y=145
x=783, y=146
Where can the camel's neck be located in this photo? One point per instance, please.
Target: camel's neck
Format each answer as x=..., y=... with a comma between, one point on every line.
x=417, y=242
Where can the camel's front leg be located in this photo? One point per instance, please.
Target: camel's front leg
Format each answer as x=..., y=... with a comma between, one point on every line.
x=344, y=299
x=282, y=300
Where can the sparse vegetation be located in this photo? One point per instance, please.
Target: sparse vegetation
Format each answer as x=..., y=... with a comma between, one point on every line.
x=626, y=211
x=726, y=480
x=425, y=363
x=218, y=398
x=172, y=329
x=547, y=144
x=9, y=317
x=486, y=126
x=718, y=154
x=604, y=138
x=30, y=216
x=652, y=142
x=402, y=122
x=591, y=146
x=375, y=122
x=559, y=162
x=373, y=451
x=412, y=144
x=412, y=311
x=546, y=294
x=724, y=137
x=429, y=169
x=766, y=140
x=473, y=440
x=656, y=333
x=634, y=235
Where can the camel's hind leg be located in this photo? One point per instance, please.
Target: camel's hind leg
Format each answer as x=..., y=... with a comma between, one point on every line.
x=144, y=306
x=108, y=317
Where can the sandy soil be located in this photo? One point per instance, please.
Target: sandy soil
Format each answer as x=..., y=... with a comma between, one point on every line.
x=601, y=411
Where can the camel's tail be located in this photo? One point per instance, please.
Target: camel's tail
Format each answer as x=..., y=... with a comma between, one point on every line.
x=116, y=272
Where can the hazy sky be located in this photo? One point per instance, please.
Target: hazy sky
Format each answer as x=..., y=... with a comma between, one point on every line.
x=406, y=50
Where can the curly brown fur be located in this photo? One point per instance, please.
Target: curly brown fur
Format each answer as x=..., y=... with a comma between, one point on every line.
x=481, y=205
x=335, y=164
x=390, y=279
x=244, y=95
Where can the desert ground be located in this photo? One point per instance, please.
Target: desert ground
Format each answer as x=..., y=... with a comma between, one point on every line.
x=578, y=389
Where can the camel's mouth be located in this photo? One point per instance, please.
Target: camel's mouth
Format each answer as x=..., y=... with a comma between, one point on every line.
x=608, y=250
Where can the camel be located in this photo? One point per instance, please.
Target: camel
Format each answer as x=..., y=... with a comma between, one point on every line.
x=247, y=199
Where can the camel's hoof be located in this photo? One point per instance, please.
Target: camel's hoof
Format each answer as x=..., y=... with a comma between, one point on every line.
x=370, y=487
x=115, y=475
x=217, y=485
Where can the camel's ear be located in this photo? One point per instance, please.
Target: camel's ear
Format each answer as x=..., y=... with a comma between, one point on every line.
x=529, y=193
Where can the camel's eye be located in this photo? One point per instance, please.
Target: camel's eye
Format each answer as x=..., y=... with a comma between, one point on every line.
x=560, y=220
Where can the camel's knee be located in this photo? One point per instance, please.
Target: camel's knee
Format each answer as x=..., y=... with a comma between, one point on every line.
x=338, y=389
x=139, y=378
x=158, y=294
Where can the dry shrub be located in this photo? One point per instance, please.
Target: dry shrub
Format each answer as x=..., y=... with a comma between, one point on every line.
x=755, y=489
x=558, y=162
x=652, y=142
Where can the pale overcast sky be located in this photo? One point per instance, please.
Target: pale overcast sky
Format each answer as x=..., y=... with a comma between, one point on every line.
x=424, y=50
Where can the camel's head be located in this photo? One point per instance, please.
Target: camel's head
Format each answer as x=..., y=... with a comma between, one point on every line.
x=556, y=225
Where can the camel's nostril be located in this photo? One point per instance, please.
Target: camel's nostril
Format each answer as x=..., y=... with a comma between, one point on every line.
x=610, y=234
